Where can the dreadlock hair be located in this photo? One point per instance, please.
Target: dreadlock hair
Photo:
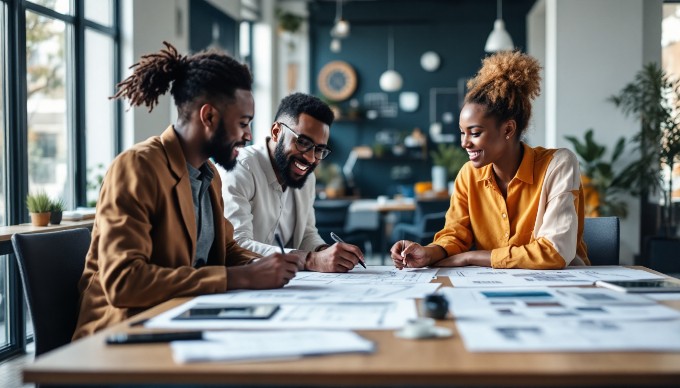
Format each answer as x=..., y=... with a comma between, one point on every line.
x=204, y=76
x=297, y=103
x=505, y=85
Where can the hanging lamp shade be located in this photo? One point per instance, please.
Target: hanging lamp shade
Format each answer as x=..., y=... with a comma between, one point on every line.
x=341, y=27
x=390, y=80
x=336, y=46
x=499, y=39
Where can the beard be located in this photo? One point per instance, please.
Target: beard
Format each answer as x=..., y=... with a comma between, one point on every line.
x=284, y=164
x=220, y=153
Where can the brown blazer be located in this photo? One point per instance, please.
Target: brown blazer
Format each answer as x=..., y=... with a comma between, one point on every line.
x=144, y=237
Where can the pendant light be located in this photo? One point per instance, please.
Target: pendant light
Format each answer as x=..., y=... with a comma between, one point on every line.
x=390, y=81
x=499, y=39
x=341, y=27
x=215, y=44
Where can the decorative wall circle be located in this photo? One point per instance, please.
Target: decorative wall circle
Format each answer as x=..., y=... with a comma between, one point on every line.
x=337, y=80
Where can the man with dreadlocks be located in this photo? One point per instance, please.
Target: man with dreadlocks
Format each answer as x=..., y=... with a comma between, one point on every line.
x=159, y=231
x=520, y=207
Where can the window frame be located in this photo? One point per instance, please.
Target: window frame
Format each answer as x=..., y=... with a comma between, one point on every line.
x=16, y=134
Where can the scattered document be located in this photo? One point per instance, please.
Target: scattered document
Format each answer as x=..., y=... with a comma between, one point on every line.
x=664, y=296
x=268, y=345
x=570, y=336
x=312, y=292
x=570, y=276
x=348, y=316
x=374, y=274
x=552, y=304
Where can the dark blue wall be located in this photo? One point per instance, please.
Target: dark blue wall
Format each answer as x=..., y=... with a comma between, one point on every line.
x=456, y=30
x=202, y=15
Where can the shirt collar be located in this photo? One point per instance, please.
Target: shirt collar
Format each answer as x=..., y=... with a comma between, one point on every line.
x=266, y=163
x=525, y=172
x=202, y=173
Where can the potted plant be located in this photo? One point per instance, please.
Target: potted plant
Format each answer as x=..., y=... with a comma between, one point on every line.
x=447, y=160
x=598, y=177
x=289, y=25
x=39, y=206
x=652, y=97
x=329, y=176
x=57, y=208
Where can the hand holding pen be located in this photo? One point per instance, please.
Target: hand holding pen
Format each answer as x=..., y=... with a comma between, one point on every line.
x=278, y=241
x=337, y=239
x=409, y=254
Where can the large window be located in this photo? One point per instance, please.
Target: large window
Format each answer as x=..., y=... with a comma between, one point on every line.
x=99, y=118
x=46, y=90
x=59, y=67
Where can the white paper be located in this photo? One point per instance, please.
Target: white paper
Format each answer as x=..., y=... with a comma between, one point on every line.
x=663, y=295
x=552, y=304
x=570, y=336
x=313, y=292
x=268, y=345
x=348, y=316
x=374, y=274
x=570, y=276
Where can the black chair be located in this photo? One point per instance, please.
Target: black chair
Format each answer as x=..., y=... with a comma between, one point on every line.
x=427, y=220
x=601, y=235
x=331, y=216
x=422, y=232
x=50, y=265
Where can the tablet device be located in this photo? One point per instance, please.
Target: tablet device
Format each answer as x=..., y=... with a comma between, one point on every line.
x=641, y=286
x=259, y=311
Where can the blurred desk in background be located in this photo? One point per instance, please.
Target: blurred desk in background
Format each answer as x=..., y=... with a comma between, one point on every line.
x=373, y=214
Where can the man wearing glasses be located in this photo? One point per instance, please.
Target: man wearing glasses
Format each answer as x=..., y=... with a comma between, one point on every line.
x=272, y=189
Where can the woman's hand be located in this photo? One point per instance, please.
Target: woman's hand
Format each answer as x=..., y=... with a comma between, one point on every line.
x=409, y=254
x=480, y=258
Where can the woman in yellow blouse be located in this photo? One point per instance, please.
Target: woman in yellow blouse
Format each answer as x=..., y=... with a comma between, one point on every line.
x=514, y=206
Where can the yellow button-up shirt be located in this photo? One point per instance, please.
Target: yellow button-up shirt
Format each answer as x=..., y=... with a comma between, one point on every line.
x=538, y=226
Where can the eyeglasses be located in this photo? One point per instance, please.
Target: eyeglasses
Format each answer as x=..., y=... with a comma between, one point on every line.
x=304, y=144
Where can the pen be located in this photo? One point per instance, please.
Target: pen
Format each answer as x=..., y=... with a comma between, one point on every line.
x=337, y=239
x=278, y=241
x=125, y=338
x=139, y=322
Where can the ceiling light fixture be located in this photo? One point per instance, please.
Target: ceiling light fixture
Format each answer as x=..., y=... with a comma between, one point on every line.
x=499, y=39
x=341, y=27
x=390, y=81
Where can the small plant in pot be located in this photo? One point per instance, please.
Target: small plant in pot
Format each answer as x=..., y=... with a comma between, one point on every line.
x=447, y=160
x=39, y=205
x=57, y=208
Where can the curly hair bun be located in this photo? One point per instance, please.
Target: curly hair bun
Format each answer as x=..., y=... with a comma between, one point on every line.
x=506, y=84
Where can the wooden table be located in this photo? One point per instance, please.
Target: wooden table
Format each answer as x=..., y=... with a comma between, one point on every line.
x=397, y=362
x=6, y=232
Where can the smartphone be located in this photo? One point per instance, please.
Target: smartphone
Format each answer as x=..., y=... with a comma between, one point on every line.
x=259, y=311
x=640, y=286
x=143, y=338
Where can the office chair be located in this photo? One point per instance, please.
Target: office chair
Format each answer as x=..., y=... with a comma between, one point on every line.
x=331, y=216
x=421, y=232
x=427, y=220
x=601, y=235
x=50, y=265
